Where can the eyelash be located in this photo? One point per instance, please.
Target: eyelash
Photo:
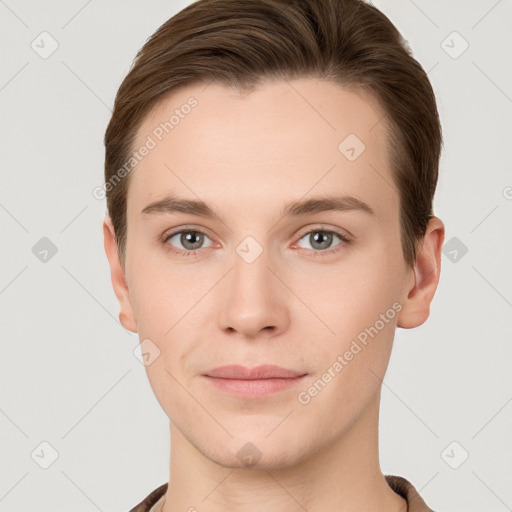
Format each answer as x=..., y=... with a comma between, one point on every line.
x=344, y=238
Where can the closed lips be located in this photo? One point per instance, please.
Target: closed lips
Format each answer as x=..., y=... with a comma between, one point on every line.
x=266, y=371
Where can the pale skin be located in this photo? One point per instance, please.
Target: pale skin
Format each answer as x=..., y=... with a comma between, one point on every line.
x=293, y=306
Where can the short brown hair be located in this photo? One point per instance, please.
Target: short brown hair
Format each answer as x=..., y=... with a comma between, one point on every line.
x=240, y=43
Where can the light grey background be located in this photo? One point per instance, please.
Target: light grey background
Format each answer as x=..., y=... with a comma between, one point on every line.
x=69, y=376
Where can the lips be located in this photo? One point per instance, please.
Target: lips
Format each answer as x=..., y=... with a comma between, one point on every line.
x=266, y=371
x=253, y=383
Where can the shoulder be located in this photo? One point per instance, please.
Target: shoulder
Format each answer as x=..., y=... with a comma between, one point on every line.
x=146, y=504
x=404, y=488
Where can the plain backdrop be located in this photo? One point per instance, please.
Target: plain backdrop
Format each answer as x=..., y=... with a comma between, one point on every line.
x=80, y=427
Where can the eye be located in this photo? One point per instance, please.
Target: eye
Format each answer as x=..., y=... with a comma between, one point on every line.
x=321, y=239
x=190, y=239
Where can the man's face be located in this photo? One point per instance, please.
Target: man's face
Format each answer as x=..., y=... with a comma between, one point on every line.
x=264, y=287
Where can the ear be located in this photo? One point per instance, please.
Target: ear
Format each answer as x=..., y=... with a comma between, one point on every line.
x=424, y=277
x=126, y=316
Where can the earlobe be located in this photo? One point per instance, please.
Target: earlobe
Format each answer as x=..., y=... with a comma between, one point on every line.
x=424, y=277
x=117, y=274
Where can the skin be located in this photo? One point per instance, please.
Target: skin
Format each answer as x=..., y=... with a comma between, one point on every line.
x=247, y=156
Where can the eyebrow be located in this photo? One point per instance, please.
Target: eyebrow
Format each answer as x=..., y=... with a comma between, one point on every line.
x=173, y=204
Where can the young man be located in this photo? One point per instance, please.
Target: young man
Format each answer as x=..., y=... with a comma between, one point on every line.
x=270, y=170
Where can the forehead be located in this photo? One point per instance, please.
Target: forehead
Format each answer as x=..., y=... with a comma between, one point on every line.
x=279, y=141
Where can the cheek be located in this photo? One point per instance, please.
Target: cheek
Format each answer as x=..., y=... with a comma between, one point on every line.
x=360, y=309
x=166, y=302
x=150, y=303
x=353, y=301
x=349, y=379
x=160, y=295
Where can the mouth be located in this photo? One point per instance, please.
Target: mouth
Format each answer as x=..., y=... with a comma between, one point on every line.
x=253, y=382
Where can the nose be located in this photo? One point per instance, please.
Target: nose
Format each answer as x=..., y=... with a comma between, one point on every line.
x=253, y=300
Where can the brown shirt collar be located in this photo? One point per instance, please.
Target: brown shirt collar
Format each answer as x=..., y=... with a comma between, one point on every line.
x=399, y=484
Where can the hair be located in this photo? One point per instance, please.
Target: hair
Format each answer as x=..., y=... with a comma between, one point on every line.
x=241, y=43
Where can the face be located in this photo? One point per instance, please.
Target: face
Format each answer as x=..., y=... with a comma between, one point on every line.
x=267, y=274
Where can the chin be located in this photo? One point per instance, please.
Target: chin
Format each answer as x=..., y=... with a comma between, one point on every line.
x=248, y=451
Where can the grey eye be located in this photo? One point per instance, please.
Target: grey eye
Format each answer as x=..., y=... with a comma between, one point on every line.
x=190, y=240
x=320, y=239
